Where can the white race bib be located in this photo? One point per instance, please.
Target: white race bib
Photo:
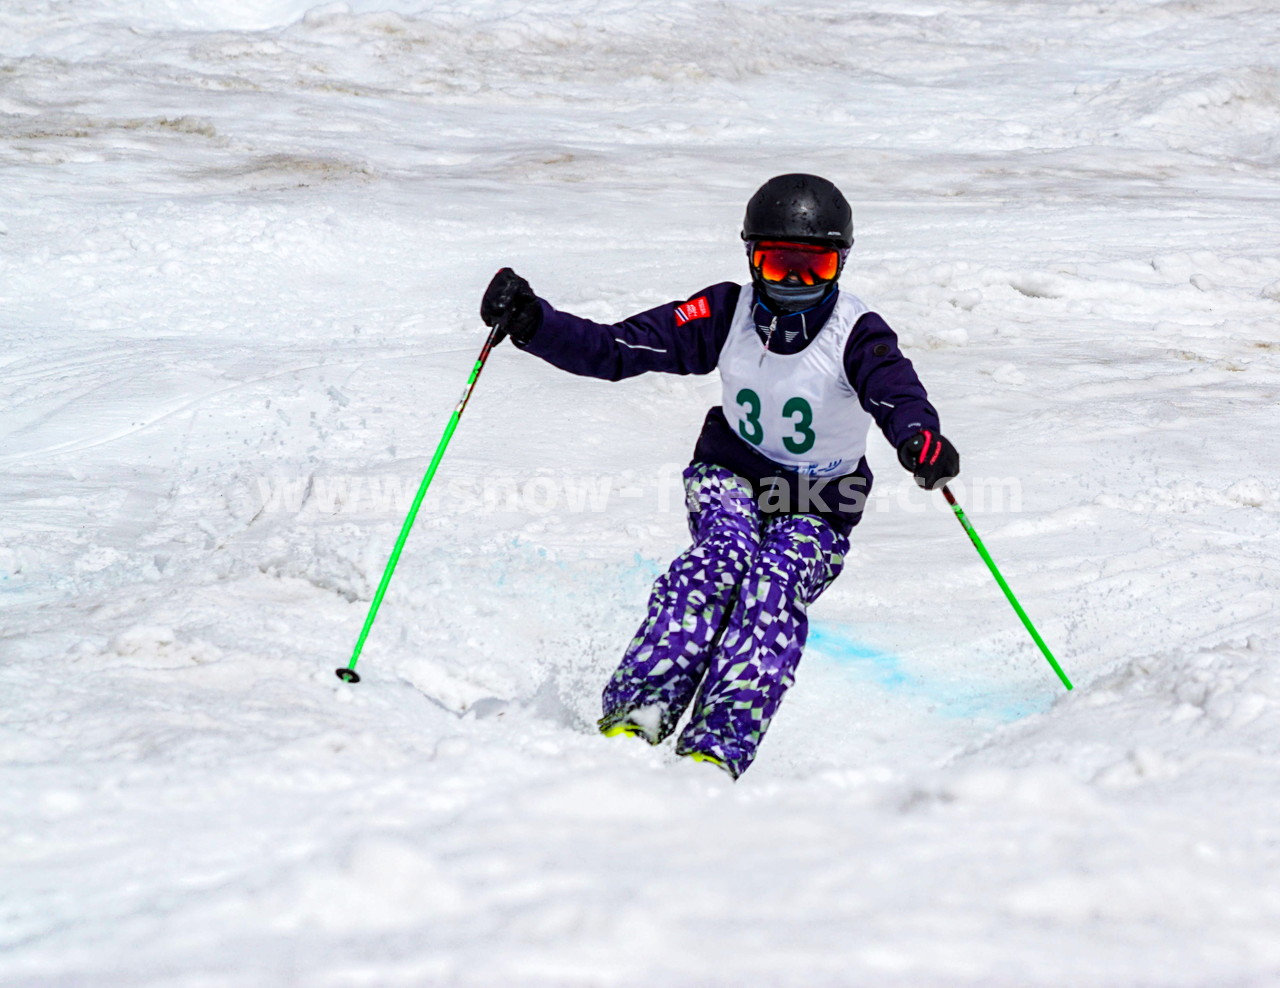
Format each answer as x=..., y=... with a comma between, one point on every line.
x=799, y=409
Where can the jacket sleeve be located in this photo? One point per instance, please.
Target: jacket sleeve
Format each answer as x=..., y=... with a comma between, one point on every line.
x=675, y=338
x=885, y=381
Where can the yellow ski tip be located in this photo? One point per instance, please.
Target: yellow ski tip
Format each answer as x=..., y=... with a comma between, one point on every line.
x=619, y=730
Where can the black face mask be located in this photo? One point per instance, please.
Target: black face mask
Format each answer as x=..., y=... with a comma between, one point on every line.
x=786, y=299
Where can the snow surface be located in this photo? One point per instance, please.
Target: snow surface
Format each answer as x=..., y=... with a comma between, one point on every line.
x=242, y=246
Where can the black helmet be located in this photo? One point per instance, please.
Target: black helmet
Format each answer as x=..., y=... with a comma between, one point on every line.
x=799, y=207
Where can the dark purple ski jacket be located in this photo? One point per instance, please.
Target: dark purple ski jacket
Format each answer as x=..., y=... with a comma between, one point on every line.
x=686, y=338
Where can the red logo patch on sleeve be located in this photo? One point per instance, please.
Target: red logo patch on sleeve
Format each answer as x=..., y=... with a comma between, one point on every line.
x=698, y=308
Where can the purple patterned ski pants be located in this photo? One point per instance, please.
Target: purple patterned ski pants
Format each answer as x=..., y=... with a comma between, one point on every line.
x=730, y=613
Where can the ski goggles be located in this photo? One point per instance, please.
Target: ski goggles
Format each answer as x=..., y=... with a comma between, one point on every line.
x=812, y=264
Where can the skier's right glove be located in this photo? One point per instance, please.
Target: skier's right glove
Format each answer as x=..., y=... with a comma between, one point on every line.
x=510, y=306
x=931, y=457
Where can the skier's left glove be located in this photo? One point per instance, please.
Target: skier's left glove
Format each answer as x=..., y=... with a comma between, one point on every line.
x=931, y=457
x=510, y=305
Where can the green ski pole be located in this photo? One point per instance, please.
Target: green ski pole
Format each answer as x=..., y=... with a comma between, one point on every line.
x=986, y=558
x=348, y=672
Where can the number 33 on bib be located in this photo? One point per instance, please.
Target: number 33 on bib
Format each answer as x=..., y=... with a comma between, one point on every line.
x=798, y=409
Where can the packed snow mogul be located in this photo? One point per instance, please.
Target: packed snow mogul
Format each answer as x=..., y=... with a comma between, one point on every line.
x=778, y=478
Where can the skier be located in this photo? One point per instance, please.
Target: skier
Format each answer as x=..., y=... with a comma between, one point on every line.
x=778, y=477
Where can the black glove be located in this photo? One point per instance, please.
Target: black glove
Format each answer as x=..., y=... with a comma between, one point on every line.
x=931, y=457
x=510, y=305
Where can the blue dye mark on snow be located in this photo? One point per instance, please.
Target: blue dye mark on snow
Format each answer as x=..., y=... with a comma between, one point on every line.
x=881, y=667
x=649, y=569
x=950, y=699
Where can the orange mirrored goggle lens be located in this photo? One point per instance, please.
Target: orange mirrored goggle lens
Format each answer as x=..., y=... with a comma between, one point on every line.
x=810, y=263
